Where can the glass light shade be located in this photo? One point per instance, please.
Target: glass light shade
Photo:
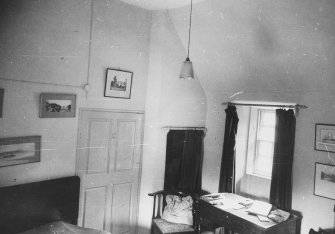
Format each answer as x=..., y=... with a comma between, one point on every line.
x=187, y=70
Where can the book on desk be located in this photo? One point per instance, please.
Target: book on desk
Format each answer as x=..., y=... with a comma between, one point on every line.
x=259, y=208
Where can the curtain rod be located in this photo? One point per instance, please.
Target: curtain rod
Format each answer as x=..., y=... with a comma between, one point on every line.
x=297, y=106
x=185, y=128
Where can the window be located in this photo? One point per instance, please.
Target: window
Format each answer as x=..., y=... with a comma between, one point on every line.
x=261, y=142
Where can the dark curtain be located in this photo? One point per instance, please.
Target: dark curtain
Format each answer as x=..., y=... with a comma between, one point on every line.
x=184, y=159
x=227, y=173
x=174, y=153
x=281, y=182
x=191, y=164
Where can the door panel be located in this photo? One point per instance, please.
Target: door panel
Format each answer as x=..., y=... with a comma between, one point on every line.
x=125, y=146
x=94, y=215
x=121, y=207
x=109, y=163
x=98, y=146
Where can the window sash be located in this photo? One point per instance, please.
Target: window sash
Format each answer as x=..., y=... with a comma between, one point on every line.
x=261, y=142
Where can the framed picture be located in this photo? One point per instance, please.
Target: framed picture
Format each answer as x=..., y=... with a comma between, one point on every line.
x=325, y=137
x=20, y=150
x=57, y=105
x=1, y=101
x=324, y=180
x=118, y=83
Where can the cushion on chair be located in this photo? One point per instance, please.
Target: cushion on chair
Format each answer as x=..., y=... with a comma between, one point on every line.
x=168, y=227
x=178, y=209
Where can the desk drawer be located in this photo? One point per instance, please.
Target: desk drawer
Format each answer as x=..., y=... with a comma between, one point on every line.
x=220, y=218
x=251, y=229
x=234, y=223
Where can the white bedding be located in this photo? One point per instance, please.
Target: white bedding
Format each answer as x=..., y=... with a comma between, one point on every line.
x=60, y=227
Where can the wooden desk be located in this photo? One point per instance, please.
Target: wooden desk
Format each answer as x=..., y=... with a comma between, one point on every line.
x=241, y=222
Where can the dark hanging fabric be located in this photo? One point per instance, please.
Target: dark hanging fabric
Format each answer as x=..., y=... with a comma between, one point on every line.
x=184, y=159
x=281, y=182
x=191, y=163
x=227, y=173
x=174, y=152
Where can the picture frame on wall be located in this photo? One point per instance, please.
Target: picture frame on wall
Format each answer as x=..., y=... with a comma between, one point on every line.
x=324, y=180
x=57, y=105
x=20, y=150
x=118, y=83
x=325, y=137
x=2, y=91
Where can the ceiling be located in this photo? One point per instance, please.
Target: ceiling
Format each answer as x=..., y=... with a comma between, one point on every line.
x=160, y=4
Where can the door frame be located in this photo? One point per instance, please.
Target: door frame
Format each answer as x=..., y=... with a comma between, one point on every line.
x=81, y=109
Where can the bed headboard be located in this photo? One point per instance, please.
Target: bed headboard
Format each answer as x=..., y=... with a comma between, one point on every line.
x=25, y=206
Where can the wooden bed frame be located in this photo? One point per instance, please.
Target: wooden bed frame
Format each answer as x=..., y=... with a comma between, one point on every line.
x=23, y=207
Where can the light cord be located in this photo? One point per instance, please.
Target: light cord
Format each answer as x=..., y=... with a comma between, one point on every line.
x=189, y=33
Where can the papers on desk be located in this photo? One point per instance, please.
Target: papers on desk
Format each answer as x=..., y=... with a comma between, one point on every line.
x=213, y=196
x=246, y=202
x=263, y=218
x=260, y=208
x=223, y=201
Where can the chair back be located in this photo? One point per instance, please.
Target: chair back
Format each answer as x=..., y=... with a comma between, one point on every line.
x=160, y=203
x=322, y=231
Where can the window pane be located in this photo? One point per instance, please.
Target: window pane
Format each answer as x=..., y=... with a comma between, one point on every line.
x=261, y=142
x=268, y=118
x=266, y=134
x=263, y=166
x=264, y=149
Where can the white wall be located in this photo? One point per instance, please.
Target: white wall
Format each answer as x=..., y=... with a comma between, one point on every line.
x=280, y=51
x=170, y=102
x=49, y=42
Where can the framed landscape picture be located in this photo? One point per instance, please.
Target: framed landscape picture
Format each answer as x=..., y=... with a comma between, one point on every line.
x=324, y=180
x=1, y=101
x=325, y=137
x=20, y=150
x=57, y=105
x=118, y=83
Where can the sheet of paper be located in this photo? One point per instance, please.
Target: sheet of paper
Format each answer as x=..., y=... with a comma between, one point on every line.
x=260, y=208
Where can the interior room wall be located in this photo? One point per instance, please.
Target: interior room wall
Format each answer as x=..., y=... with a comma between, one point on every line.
x=59, y=46
x=280, y=51
x=277, y=51
x=170, y=101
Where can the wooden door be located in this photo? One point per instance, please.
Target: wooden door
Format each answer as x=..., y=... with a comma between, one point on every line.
x=109, y=165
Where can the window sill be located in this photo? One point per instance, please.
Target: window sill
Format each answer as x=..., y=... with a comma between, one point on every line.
x=259, y=176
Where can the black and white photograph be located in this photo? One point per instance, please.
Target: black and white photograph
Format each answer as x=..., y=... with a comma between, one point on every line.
x=1, y=101
x=167, y=116
x=324, y=184
x=118, y=83
x=19, y=150
x=57, y=105
x=325, y=137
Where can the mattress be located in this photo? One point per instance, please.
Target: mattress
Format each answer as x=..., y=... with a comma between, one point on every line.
x=61, y=227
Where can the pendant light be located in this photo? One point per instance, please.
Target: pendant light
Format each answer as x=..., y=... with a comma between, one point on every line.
x=187, y=68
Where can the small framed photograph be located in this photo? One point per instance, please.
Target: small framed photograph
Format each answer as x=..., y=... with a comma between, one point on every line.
x=118, y=83
x=324, y=180
x=1, y=100
x=20, y=150
x=57, y=105
x=325, y=137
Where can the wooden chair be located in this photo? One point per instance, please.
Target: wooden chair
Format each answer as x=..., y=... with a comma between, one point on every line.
x=322, y=231
x=161, y=226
